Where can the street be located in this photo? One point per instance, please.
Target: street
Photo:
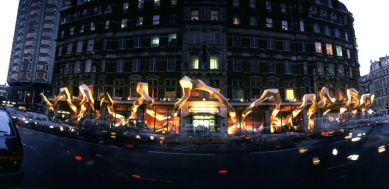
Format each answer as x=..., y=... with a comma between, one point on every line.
x=52, y=161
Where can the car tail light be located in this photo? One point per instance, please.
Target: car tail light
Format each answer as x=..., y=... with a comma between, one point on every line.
x=15, y=158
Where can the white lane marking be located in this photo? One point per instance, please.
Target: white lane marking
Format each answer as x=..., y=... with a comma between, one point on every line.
x=29, y=146
x=185, y=154
x=275, y=151
x=339, y=165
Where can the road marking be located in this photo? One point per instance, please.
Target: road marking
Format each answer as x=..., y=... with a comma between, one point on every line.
x=186, y=154
x=29, y=146
x=339, y=165
x=275, y=151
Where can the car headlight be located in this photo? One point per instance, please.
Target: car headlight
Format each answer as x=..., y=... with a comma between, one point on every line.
x=51, y=126
x=137, y=136
x=61, y=128
x=151, y=137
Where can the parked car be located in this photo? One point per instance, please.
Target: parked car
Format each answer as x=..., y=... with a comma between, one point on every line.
x=11, y=152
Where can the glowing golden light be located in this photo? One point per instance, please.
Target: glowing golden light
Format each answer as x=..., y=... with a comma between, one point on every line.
x=316, y=161
x=355, y=139
x=353, y=157
x=381, y=149
x=303, y=150
x=334, y=152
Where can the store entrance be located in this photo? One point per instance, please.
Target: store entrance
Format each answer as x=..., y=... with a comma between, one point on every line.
x=203, y=123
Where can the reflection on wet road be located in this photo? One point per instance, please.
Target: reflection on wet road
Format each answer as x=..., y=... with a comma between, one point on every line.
x=55, y=161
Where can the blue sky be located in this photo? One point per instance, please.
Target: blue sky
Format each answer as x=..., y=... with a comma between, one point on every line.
x=370, y=25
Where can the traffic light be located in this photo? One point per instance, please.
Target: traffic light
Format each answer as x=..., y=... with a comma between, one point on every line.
x=386, y=106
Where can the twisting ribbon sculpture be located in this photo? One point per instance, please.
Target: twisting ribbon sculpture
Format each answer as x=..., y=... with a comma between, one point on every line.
x=87, y=100
x=306, y=99
x=352, y=97
x=143, y=90
x=120, y=119
x=366, y=100
x=265, y=95
x=188, y=85
x=64, y=93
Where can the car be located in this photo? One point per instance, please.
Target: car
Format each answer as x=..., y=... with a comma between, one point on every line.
x=283, y=138
x=44, y=124
x=11, y=152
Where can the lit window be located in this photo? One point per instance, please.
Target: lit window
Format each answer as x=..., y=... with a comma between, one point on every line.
x=329, y=49
x=107, y=24
x=318, y=47
x=157, y=3
x=141, y=4
x=289, y=93
x=284, y=25
x=92, y=26
x=195, y=15
x=339, y=51
x=172, y=40
x=348, y=54
x=194, y=62
x=214, y=62
x=236, y=20
x=346, y=36
x=125, y=6
x=156, y=20
x=302, y=27
x=214, y=15
x=90, y=45
x=155, y=41
x=269, y=22
x=124, y=23
x=139, y=21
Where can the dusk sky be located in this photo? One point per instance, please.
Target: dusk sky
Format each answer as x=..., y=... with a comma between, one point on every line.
x=370, y=25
